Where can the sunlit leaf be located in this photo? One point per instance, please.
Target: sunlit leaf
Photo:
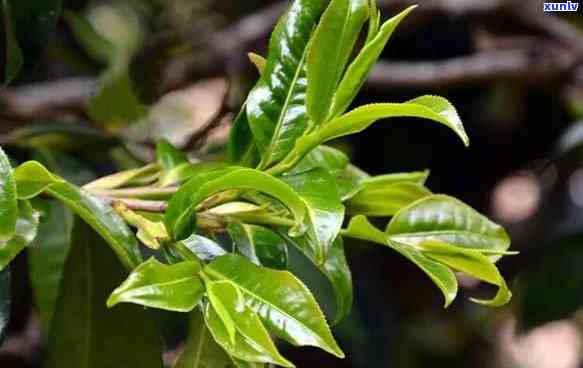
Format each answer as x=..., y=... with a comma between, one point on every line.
x=282, y=302
x=26, y=230
x=385, y=200
x=153, y=284
x=8, y=205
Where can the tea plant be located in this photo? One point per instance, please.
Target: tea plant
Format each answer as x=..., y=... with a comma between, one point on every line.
x=212, y=238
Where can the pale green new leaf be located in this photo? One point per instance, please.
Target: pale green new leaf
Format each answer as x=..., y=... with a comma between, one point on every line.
x=282, y=301
x=153, y=284
x=449, y=220
x=325, y=212
x=251, y=341
x=182, y=207
x=330, y=48
x=442, y=276
x=257, y=60
x=330, y=159
x=142, y=175
x=385, y=200
x=471, y=262
x=361, y=66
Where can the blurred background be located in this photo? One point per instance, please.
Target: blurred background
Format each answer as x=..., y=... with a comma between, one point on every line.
x=101, y=81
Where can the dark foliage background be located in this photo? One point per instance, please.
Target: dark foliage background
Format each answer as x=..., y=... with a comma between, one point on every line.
x=515, y=75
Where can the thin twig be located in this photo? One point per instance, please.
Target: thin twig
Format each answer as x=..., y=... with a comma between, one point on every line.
x=137, y=204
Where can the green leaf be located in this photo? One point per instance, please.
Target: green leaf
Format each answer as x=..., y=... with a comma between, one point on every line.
x=449, y=220
x=359, y=69
x=201, y=350
x=349, y=181
x=385, y=200
x=471, y=262
x=143, y=175
x=443, y=277
x=150, y=233
x=13, y=54
x=374, y=21
x=336, y=270
x=4, y=301
x=276, y=105
x=259, y=244
x=98, y=47
x=203, y=248
x=8, y=205
x=428, y=107
x=252, y=342
x=84, y=333
x=282, y=302
x=329, y=51
x=153, y=284
x=242, y=149
x=325, y=157
x=168, y=156
x=182, y=172
x=46, y=258
x=257, y=60
x=26, y=230
x=33, y=178
x=380, y=181
x=182, y=207
x=325, y=212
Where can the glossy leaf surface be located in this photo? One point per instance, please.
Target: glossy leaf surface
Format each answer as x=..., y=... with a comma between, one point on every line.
x=330, y=48
x=471, y=262
x=242, y=148
x=325, y=213
x=153, y=284
x=359, y=69
x=324, y=157
x=282, y=302
x=84, y=333
x=449, y=220
x=252, y=341
x=26, y=230
x=203, y=248
x=201, y=350
x=259, y=244
x=276, y=105
x=95, y=212
x=8, y=205
x=441, y=275
x=182, y=206
x=385, y=200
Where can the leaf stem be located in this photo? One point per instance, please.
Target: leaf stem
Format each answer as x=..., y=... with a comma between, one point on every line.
x=137, y=193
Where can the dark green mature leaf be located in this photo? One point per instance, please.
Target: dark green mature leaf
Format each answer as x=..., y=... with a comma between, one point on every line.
x=325, y=212
x=358, y=70
x=276, y=106
x=12, y=54
x=329, y=51
x=153, y=284
x=259, y=244
x=242, y=148
x=182, y=207
x=201, y=349
x=336, y=270
x=471, y=262
x=441, y=275
x=168, y=156
x=283, y=303
x=8, y=205
x=252, y=341
x=4, y=301
x=385, y=200
x=449, y=220
x=26, y=230
x=84, y=333
x=46, y=258
x=33, y=178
